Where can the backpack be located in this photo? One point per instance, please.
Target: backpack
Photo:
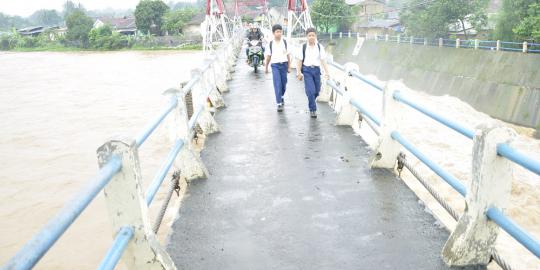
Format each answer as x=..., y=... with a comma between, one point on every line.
x=284, y=41
x=304, y=47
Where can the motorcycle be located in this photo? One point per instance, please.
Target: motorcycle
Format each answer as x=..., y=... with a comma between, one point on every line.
x=255, y=54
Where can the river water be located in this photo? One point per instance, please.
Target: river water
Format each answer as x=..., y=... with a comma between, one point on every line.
x=56, y=109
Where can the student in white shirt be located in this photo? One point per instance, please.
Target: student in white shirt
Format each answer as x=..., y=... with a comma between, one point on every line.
x=278, y=54
x=310, y=59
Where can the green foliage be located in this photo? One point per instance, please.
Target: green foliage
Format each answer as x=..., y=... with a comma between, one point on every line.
x=510, y=16
x=175, y=21
x=328, y=14
x=46, y=17
x=149, y=16
x=431, y=19
x=103, y=38
x=79, y=26
x=529, y=27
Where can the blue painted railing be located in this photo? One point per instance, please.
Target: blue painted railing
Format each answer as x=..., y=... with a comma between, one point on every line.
x=38, y=246
x=446, y=42
x=504, y=150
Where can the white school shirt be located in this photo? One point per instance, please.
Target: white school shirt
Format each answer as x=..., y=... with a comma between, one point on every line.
x=313, y=56
x=279, y=52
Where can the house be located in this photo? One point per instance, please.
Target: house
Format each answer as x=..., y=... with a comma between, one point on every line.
x=125, y=25
x=33, y=31
x=380, y=27
x=192, y=30
x=368, y=9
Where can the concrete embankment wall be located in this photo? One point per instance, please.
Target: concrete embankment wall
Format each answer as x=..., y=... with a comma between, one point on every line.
x=505, y=85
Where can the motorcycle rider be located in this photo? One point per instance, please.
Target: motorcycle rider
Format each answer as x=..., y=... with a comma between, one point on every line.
x=254, y=33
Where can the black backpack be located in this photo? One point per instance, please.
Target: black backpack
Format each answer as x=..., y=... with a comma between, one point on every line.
x=284, y=41
x=304, y=47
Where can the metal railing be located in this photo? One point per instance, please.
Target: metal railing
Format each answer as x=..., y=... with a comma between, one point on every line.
x=505, y=150
x=477, y=44
x=206, y=80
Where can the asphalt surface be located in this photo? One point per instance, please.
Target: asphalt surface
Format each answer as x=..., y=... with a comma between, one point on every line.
x=289, y=192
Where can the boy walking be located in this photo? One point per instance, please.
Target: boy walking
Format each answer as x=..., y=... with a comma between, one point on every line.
x=310, y=60
x=278, y=54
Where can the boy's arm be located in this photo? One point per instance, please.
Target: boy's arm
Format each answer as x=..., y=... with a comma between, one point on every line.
x=289, y=63
x=267, y=62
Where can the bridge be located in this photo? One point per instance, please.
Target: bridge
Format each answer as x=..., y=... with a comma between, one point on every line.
x=283, y=191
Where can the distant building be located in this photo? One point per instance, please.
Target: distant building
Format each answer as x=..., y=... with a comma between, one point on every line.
x=368, y=9
x=374, y=17
x=380, y=27
x=125, y=25
x=192, y=30
x=33, y=31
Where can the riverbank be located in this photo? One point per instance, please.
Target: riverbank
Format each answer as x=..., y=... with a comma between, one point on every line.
x=61, y=48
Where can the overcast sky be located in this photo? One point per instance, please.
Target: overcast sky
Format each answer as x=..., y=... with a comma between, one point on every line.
x=27, y=7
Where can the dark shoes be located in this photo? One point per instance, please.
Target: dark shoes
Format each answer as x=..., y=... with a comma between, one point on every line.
x=313, y=114
x=280, y=107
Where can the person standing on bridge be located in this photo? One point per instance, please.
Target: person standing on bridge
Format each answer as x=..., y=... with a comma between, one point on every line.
x=310, y=59
x=278, y=54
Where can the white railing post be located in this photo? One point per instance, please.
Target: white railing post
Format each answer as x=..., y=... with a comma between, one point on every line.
x=189, y=160
x=441, y=43
x=474, y=236
x=324, y=95
x=358, y=35
x=340, y=35
x=219, y=73
x=387, y=149
x=425, y=42
x=398, y=38
x=525, y=49
x=214, y=96
x=386, y=38
x=331, y=35
x=458, y=43
x=476, y=44
x=200, y=93
x=346, y=114
x=498, y=45
x=126, y=205
x=412, y=40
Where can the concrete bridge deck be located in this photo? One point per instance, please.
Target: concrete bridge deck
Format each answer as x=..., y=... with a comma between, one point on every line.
x=289, y=192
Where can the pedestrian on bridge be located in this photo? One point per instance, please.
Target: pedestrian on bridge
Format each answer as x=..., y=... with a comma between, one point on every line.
x=310, y=59
x=279, y=55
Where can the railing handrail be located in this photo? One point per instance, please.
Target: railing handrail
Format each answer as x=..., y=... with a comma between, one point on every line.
x=499, y=45
x=28, y=256
x=518, y=233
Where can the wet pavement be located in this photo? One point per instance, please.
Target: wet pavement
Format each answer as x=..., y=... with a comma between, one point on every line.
x=289, y=192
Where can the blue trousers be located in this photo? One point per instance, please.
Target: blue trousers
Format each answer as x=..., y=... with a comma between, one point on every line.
x=312, y=83
x=279, y=76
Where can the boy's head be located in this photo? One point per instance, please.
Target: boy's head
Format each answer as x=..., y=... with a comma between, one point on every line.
x=311, y=34
x=277, y=30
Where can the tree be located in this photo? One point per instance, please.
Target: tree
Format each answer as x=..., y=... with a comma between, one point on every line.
x=431, y=19
x=70, y=7
x=175, y=21
x=79, y=25
x=149, y=15
x=328, y=14
x=8, y=22
x=512, y=13
x=529, y=27
x=46, y=17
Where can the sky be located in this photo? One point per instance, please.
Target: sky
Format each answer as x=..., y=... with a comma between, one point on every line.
x=27, y=7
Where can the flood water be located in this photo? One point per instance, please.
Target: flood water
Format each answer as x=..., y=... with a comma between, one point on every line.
x=56, y=109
